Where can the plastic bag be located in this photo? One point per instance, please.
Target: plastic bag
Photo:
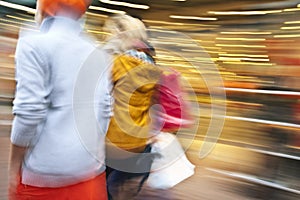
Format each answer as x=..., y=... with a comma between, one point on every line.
x=172, y=167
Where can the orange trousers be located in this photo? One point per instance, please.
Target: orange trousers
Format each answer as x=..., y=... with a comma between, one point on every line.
x=94, y=189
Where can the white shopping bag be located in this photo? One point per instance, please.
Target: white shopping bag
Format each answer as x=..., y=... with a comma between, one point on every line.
x=172, y=167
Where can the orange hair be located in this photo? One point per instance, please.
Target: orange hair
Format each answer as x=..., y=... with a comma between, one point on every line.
x=52, y=7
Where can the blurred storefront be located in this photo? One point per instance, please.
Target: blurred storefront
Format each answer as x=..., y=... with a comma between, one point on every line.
x=252, y=45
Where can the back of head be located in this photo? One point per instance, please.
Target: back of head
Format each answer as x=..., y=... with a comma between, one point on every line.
x=124, y=31
x=70, y=8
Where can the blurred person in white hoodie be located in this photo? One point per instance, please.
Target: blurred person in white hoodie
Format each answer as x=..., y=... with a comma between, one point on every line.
x=58, y=132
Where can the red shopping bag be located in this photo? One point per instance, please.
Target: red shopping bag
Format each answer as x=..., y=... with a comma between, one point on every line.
x=175, y=110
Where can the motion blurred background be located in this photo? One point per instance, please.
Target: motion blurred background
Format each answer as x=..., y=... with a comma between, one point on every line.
x=253, y=45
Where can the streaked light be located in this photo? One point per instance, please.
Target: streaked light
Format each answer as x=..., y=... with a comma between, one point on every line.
x=193, y=17
x=290, y=27
x=245, y=55
x=258, y=91
x=287, y=36
x=16, y=22
x=292, y=22
x=246, y=51
x=18, y=7
x=107, y=10
x=163, y=22
x=248, y=63
x=96, y=14
x=18, y=27
x=238, y=45
x=98, y=32
x=247, y=33
x=177, y=23
x=242, y=39
x=243, y=59
x=244, y=12
x=20, y=18
x=256, y=59
x=159, y=30
x=130, y=5
x=291, y=9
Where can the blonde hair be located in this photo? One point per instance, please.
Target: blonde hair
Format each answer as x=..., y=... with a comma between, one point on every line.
x=123, y=32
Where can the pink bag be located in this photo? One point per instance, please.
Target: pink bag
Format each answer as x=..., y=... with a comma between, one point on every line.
x=175, y=112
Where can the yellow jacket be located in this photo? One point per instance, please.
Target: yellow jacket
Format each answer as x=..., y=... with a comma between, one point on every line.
x=134, y=83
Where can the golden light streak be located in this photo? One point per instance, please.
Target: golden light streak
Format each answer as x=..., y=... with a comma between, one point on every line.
x=126, y=4
x=98, y=32
x=291, y=9
x=292, y=22
x=177, y=23
x=238, y=45
x=242, y=59
x=107, y=10
x=242, y=39
x=15, y=22
x=96, y=15
x=247, y=33
x=286, y=36
x=244, y=12
x=193, y=17
x=248, y=63
x=20, y=18
x=290, y=27
x=246, y=55
x=18, y=27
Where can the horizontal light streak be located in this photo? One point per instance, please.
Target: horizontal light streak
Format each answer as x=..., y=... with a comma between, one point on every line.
x=107, y=10
x=15, y=22
x=290, y=27
x=244, y=12
x=206, y=47
x=292, y=22
x=18, y=27
x=160, y=30
x=18, y=7
x=240, y=45
x=177, y=23
x=242, y=39
x=246, y=55
x=126, y=4
x=248, y=63
x=262, y=120
x=291, y=9
x=287, y=36
x=260, y=51
x=162, y=22
x=98, y=32
x=217, y=52
x=20, y=18
x=96, y=14
x=193, y=17
x=244, y=59
x=246, y=33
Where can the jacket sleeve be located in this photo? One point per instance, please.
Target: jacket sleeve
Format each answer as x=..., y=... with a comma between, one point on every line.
x=32, y=89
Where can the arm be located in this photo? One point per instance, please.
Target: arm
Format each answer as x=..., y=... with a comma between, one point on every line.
x=16, y=158
x=30, y=104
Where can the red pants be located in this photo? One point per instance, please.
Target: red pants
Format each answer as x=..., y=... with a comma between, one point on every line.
x=94, y=189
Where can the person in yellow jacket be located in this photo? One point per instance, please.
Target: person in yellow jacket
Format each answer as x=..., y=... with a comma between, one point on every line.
x=134, y=80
